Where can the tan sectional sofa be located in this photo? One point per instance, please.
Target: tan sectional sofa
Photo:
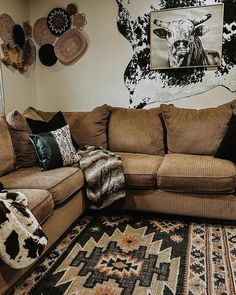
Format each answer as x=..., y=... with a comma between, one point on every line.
x=177, y=181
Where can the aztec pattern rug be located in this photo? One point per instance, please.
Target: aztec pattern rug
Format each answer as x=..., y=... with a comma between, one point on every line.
x=138, y=254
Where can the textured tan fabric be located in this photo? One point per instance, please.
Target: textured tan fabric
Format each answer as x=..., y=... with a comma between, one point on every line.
x=23, y=148
x=63, y=216
x=54, y=227
x=232, y=104
x=32, y=114
x=46, y=116
x=17, y=121
x=87, y=128
x=198, y=132
x=7, y=156
x=136, y=131
x=197, y=174
x=200, y=205
x=91, y=128
x=140, y=170
x=60, y=182
x=40, y=202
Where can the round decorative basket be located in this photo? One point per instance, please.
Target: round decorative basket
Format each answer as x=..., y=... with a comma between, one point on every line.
x=58, y=21
x=47, y=55
x=79, y=21
x=42, y=34
x=70, y=46
x=6, y=31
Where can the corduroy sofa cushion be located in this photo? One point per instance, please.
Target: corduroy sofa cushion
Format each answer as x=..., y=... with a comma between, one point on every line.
x=136, y=131
x=23, y=148
x=7, y=156
x=197, y=132
x=60, y=182
x=87, y=128
x=40, y=202
x=140, y=170
x=196, y=174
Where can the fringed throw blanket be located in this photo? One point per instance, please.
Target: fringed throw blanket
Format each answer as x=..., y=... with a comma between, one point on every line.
x=22, y=240
x=104, y=176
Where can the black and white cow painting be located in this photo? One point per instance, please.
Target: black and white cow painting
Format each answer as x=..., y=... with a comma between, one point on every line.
x=147, y=86
x=183, y=37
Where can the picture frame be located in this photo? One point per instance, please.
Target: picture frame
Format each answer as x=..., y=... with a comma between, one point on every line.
x=186, y=37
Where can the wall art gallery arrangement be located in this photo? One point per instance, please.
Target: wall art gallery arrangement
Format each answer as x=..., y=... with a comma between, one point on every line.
x=17, y=47
x=180, y=48
x=59, y=36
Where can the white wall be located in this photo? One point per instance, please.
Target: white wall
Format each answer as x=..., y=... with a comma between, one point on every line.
x=19, y=89
x=96, y=78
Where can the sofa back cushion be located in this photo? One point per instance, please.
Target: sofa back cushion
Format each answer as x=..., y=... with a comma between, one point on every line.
x=87, y=128
x=23, y=148
x=192, y=131
x=136, y=131
x=7, y=156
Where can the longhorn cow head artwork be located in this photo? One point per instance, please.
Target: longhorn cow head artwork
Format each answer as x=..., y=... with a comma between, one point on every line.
x=184, y=45
x=147, y=84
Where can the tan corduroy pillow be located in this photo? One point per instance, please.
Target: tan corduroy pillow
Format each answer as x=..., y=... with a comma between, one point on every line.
x=24, y=149
x=32, y=114
x=90, y=128
x=7, y=156
x=197, y=132
x=136, y=131
x=87, y=128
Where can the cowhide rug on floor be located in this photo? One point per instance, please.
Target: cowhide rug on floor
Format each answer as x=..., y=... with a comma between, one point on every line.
x=147, y=254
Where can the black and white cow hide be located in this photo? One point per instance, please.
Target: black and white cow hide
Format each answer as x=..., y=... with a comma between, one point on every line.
x=22, y=240
x=149, y=86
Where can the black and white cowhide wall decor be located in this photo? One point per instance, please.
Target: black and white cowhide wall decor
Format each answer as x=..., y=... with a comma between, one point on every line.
x=149, y=86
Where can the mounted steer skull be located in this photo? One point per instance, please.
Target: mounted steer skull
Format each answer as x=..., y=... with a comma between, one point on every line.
x=184, y=45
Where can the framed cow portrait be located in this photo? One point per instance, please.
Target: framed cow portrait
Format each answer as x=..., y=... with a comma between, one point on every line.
x=186, y=37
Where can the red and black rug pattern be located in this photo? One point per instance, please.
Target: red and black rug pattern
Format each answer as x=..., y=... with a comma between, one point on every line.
x=138, y=254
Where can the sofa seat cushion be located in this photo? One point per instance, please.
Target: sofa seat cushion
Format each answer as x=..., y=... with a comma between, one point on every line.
x=60, y=182
x=40, y=202
x=197, y=174
x=140, y=169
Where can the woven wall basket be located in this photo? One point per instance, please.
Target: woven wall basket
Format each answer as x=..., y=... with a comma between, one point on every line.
x=41, y=32
x=70, y=46
x=6, y=29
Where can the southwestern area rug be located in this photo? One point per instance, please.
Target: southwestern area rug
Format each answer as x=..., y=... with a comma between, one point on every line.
x=138, y=254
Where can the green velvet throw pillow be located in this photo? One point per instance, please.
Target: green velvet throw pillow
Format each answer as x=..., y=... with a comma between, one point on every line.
x=55, y=148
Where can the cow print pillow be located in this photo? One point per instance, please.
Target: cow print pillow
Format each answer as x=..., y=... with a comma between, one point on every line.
x=22, y=240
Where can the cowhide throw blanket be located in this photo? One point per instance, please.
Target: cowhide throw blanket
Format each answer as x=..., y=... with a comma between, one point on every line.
x=21, y=237
x=104, y=176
